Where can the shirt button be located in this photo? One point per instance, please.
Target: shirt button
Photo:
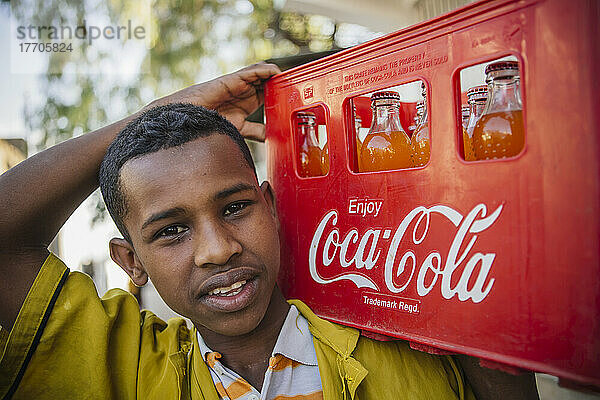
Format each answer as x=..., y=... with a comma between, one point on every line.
x=253, y=397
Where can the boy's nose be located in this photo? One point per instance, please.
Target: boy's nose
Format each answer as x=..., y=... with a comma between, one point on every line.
x=215, y=245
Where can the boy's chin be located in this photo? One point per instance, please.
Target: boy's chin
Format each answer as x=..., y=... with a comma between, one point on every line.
x=233, y=328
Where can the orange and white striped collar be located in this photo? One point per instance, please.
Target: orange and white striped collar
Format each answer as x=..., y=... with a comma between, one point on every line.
x=294, y=341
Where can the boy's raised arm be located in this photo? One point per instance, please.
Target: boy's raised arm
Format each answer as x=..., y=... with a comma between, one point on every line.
x=39, y=194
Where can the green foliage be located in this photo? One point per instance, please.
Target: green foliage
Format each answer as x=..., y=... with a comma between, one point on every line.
x=190, y=41
x=186, y=45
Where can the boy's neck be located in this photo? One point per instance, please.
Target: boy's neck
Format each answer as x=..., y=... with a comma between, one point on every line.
x=249, y=354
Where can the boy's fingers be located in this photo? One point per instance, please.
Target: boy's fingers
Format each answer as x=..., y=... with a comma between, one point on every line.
x=253, y=130
x=257, y=73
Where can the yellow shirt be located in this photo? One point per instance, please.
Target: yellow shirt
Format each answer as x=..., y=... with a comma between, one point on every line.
x=67, y=343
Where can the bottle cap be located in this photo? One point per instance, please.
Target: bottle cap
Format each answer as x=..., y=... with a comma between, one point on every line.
x=502, y=65
x=465, y=110
x=306, y=118
x=385, y=94
x=477, y=93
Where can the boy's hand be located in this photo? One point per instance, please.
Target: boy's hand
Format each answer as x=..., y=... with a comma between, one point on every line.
x=489, y=384
x=235, y=96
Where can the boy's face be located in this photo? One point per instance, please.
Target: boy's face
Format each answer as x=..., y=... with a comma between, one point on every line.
x=204, y=232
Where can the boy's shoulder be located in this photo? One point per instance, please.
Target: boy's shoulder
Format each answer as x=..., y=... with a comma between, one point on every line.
x=64, y=331
x=369, y=367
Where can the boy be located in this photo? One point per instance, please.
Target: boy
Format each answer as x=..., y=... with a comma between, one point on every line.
x=180, y=184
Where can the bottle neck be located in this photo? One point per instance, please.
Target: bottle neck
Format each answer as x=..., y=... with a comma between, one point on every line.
x=309, y=133
x=465, y=117
x=504, y=95
x=386, y=118
x=424, y=117
x=357, y=124
x=477, y=107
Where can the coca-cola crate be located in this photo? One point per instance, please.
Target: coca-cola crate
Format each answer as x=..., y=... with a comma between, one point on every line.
x=497, y=259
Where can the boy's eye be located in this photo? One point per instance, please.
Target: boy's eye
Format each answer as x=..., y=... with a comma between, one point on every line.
x=235, y=208
x=172, y=231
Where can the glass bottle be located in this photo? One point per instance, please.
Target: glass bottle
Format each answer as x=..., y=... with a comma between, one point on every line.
x=309, y=163
x=357, y=122
x=357, y=126
x=386, y=146
x=322, y=129
x=419, y=108
x=465, y=112
x=420, y=137
x=477, y=97
x=499, y=131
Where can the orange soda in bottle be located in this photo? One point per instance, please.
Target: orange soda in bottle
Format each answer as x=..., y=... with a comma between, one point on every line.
x=420, y=137
x=309, y=161
x=477, y=97
x=386, y=146
x=499, y=131
x=464, y=113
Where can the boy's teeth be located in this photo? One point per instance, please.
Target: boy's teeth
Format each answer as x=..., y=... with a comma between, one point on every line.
x=234, y=289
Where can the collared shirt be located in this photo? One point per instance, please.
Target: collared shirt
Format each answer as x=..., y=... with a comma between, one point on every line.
x=67, y=343
x=293, y=372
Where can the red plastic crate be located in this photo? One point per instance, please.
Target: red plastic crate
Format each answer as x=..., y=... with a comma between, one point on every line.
x=533, y=297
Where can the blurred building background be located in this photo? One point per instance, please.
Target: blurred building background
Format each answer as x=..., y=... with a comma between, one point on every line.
x=189, y=41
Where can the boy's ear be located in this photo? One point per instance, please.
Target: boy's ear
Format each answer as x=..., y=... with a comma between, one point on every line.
x=269, y=196
x=121, y=251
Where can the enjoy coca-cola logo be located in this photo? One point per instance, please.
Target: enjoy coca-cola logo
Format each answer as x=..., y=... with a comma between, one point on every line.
x=360, y=254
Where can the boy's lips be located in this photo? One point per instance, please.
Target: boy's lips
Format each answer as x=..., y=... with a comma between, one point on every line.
x=235, y=300
x=230, y=291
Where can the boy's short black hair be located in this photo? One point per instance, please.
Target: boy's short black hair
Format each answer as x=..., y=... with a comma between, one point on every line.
x=158, y=128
